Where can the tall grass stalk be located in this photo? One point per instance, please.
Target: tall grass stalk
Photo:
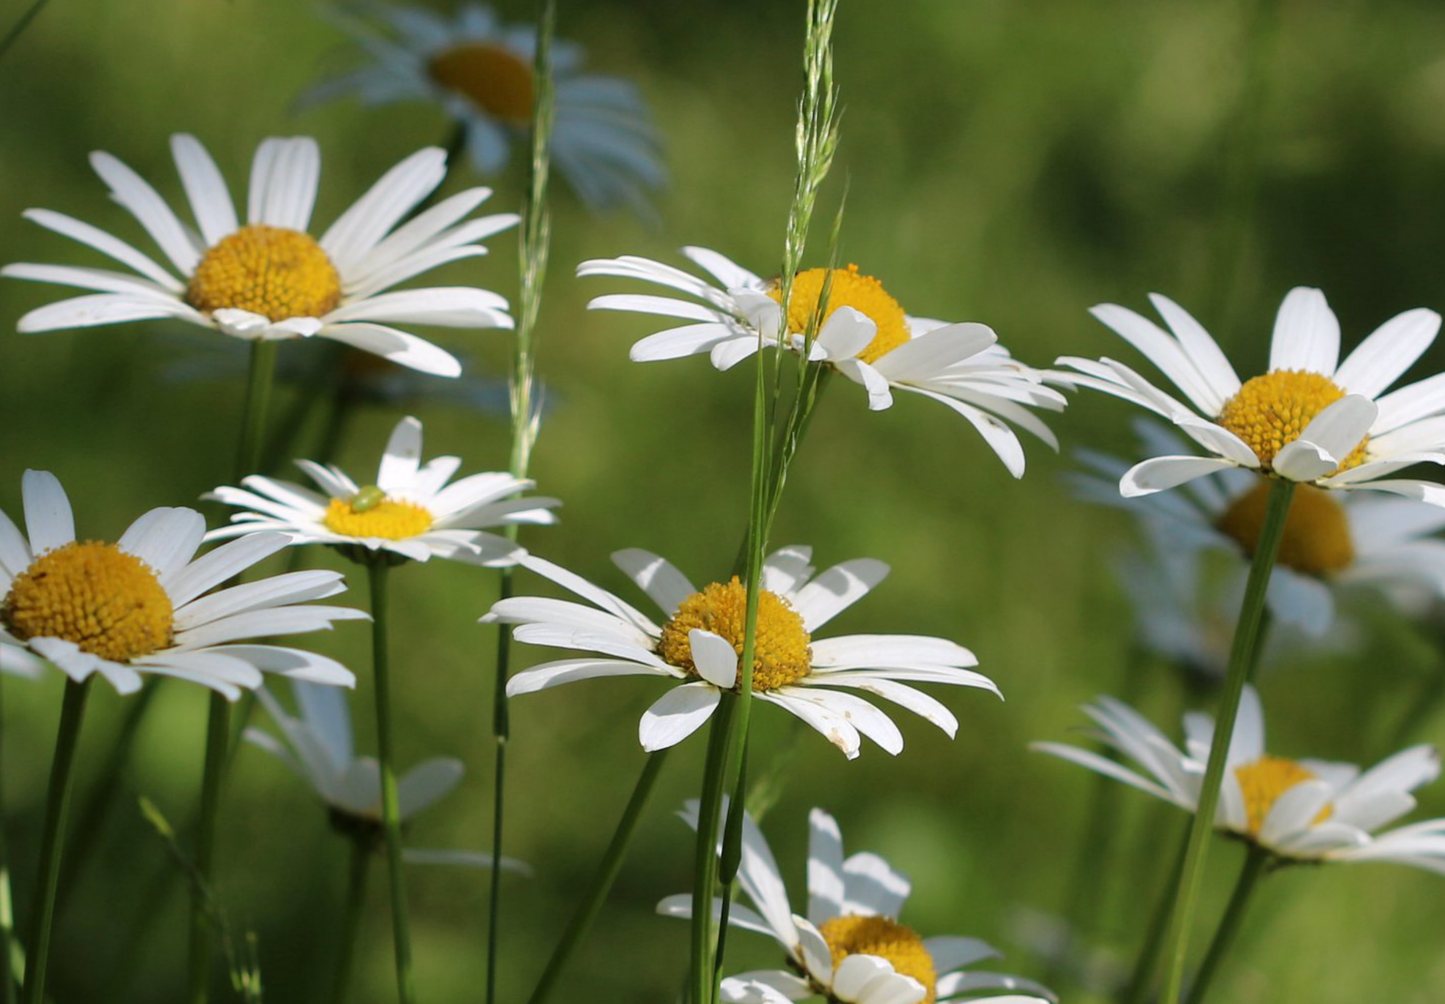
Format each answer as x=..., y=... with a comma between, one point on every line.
x=1242, y=657
x=259, y=377
x=535, y=238
x=7, y=917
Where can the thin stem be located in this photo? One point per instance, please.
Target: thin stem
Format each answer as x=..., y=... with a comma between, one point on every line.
x=1242, y=656
x=259, y=377
x=1255, y=863
x=390, y=806
x=705, y=861
x=72, y=710
x=534, y=243
x=20, y=26
x=7, y=918
x=602, y=879
x=1136, y=991
x=351, y=918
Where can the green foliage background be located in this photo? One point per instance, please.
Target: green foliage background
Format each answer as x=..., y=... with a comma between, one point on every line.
x=1010, y=163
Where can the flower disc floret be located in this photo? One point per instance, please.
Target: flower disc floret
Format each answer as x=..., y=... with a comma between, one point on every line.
x=781, y=650
x=105, y=601
x=886, y=939
x=1271, y=411
x=370, y=514
x=492, y=77
x=849, y=288
x=1317, y=539
x=271, y=271
x=1263, y=782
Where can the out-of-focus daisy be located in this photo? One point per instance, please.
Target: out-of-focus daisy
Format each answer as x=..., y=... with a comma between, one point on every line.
x=138, y=605
x=409, y=511
x=1310, y=418
x=1298, y=810
x=1331, y=542
x=850, y=947
x=866, y=336
x=479, y=71
x=317, y=745
x=268, y=278
x=698, y=645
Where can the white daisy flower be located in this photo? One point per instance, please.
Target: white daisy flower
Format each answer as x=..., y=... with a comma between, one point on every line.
x=267, y=278
x=479, y=72
x=698, y=645
x=850, y=947
x=1310, y=418
x=409, y=510
x=137, y=606
x=1298, y=810
x=1331, y=543
x=317, y=746
x=866, y=336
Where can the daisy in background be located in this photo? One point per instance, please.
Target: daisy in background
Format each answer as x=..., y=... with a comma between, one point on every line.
x=1310, y=418
x=410, y=511
x=1332, y=543
x=1297, y=810
x=268, y=278
x=698, y=644
x=850, y=947
x=479, y=72
x=317, y=745
x=865, y=335
x=140, y=605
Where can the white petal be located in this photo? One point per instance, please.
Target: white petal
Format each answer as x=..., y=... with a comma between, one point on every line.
x=397, y=346
x=837, y=589
x=715, y=658
x=205, y=188
x=1163, y=351
x=1161, y=473
x=427, y=783
x=656, y=576
x=833, y=726
x=220, y=564
x=99, y=309
x=1199, y=346
x=826, y=888
x=361, y=227
x=402, y=458
x=1327, y=440
x=676, y=715
x=283, y=184
x=165, y=539
x=106, y=244
x=137, y=196
x=874, y=887
x=1394, y=346
x=1306, y=334
x=48, y=518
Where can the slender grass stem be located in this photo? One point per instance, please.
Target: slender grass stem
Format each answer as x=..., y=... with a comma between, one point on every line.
x=534, y=242
x=602, y=880
x=1146, y=966
x=20, y=25
x=351, y=917
x=1242, y=657
x=377, y=569
x=7, y=917
x=1256, y=863
x=260, y=375
x=705, y=858
x=72, y=711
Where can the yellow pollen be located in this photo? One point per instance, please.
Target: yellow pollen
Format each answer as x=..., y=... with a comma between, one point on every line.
x=781, y=652
x=267, y=270
x=1264, y=781
x=886, y=939
x=1269, y=412
x=106, y=601
x=493, y=78
x=389, y=519
x=1316, y=538
x=849, y=288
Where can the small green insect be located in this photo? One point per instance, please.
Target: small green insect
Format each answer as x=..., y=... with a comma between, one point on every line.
x=368, y=498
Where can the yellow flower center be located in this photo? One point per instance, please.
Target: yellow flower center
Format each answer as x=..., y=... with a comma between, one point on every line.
x=886, y=939
x=1316, y=537
x=369, y=513
x=781, y=652
x=267, y=270
x=106, y=601
x=1264, y=781
x=1271, y=411
x=849, y=288
x=493, y=78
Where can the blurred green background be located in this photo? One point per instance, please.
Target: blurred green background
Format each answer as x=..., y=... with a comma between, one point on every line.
x=1010, y=163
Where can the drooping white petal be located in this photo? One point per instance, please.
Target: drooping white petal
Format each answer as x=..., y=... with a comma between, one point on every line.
x=714, y=657
x=676, y=715
x=1159, y=474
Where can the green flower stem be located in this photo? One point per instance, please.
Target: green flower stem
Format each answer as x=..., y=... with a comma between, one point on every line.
x=1136, y=991
x=351, y=918
x=1256, y=863
x=72, y=710
x=602, y=880
x=705, y=860
x=7, y=918
x=259, y=376
x=377, y=569
x=1242, y=656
